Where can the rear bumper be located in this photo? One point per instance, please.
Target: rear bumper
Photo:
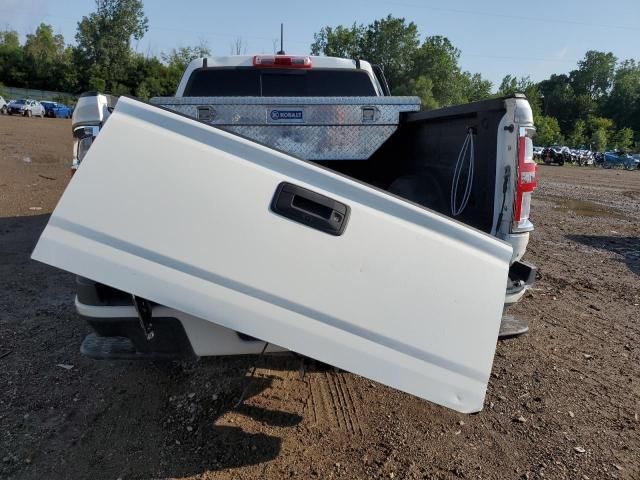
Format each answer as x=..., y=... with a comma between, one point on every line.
x=111, y=314
x=169, y=341
x=176, y=334
x=519, y=242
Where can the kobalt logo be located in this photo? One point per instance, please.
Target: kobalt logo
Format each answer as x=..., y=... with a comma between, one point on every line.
x=286, y=114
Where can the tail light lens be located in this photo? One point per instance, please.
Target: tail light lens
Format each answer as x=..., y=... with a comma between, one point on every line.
x=526, y=180
x=282, y=61
x=83, y=138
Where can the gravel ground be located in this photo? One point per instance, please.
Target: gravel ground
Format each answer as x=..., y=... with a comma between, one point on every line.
x=563, y=401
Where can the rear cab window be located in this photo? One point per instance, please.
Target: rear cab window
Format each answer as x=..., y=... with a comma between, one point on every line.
x=273, y=82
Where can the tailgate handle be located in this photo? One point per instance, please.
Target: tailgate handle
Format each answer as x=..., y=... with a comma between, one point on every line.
x=310, y=208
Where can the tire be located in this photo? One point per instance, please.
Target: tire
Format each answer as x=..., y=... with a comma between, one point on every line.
x=28, y=113
x=606, y=165
x=4, y=110
x=560, y=163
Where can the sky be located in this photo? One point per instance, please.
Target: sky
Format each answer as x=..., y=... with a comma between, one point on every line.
x=535, y=38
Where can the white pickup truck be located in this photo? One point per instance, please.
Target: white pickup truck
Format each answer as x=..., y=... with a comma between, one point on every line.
x=289, y=202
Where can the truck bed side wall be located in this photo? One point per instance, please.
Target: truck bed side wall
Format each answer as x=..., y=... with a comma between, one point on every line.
x=423, y=153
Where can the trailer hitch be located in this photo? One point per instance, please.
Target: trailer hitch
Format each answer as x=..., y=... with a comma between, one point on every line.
x=144, y=311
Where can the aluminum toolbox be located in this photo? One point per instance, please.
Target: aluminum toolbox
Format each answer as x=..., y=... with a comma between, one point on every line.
x=311, y=128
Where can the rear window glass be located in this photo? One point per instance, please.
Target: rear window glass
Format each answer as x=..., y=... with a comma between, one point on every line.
x=256, y=82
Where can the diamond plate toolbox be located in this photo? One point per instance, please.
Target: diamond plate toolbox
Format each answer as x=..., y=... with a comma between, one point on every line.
x=311, y=128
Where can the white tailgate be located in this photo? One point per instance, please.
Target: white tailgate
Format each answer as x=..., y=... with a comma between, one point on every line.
x=178, y=212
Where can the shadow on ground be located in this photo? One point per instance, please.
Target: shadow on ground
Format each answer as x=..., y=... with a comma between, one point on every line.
x=63, y=415
x=627, y=247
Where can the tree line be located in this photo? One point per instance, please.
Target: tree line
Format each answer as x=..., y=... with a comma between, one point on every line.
x=596, y=105
x=102, y=58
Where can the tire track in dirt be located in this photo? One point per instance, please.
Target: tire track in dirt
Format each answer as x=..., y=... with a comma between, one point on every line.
x=332, y=402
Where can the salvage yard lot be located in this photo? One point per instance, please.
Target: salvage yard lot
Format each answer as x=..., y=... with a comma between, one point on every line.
x=563, y=401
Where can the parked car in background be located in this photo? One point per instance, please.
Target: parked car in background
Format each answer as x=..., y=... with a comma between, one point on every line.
x=584, y=157
x=63, y=111
x=556, y=154
x=3, y=105
x=537, y=152
x=26, y=107
x=620, y=159
x=56, y=110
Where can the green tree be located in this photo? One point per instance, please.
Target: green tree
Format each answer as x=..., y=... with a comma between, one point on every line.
x=9, y=39
x=600, y=123
x=558, y=100
x=594, y=75
x=429, y=70
x=178, y=58
x=421, y=87
x=623, y=139
x=548, y=131
x=599, y=140
x=49, y=63
x=389, y=42
x=103, y=52
x=340, y=41
x=44, y=46
x=437, y=59
x=578, y=136
x=510, y=85
x=474, y=87
x=13, y=65
x=623, y=104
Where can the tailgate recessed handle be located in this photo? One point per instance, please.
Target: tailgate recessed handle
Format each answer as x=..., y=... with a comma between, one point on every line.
x=310, y=208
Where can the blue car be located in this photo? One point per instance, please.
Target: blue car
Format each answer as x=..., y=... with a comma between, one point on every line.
x=57, y=110
x=619, y=159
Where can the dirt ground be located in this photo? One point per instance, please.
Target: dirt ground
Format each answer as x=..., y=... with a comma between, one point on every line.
x=563, y=401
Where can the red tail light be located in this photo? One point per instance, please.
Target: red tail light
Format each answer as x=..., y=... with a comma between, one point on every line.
x=526, y=180
x=281, y=61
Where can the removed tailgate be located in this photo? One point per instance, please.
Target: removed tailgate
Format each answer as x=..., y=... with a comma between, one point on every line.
x=283, y=250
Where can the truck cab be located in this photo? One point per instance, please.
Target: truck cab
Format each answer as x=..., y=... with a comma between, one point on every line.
x=281, y=76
